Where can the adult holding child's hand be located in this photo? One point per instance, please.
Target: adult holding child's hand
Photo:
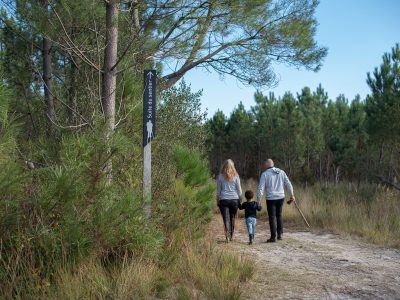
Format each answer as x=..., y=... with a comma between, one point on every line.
x=272, y=183
x=229, y=195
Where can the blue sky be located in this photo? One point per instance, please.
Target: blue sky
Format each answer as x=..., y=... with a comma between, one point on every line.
x=357, y=34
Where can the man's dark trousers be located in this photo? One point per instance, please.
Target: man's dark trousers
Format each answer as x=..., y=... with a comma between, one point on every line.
x=274, y=208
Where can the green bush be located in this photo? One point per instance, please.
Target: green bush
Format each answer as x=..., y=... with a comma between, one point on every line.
x=64, y=211
x=67, y=231
x=179, y=121
x=190, y=202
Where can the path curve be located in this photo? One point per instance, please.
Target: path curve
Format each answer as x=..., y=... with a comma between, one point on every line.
x=307, y=265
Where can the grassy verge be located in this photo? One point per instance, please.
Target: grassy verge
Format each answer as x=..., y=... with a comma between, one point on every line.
x=196, y=270
x=201, y=270
x=187, y=268
x=369, y=211
x=78, y=239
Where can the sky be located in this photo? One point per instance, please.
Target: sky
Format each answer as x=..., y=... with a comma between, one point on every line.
x=356, y=32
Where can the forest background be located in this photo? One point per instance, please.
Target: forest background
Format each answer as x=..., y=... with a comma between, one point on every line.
x=71, y=210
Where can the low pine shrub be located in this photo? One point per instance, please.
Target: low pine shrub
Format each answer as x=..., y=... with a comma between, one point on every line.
x=69, y=230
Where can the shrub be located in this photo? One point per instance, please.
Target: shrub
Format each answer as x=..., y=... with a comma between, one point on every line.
x=56, y=215
x=190, y=201
x=67, y=231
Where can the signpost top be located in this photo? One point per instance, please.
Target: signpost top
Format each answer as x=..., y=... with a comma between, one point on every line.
x=149, y=106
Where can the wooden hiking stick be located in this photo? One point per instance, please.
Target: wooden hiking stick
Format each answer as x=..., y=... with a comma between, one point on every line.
x=298, y=208
x=304, y=218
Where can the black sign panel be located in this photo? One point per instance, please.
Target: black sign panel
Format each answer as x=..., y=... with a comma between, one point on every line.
x=149, y=106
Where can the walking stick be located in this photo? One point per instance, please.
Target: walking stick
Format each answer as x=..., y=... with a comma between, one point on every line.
x=298, y=208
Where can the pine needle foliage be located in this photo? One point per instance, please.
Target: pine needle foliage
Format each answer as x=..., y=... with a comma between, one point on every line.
x=64, y=209
x=190, y=202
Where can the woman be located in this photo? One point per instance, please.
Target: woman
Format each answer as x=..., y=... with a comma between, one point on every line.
x=229, y=194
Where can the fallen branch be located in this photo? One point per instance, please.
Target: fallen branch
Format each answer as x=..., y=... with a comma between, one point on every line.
x=387, y=182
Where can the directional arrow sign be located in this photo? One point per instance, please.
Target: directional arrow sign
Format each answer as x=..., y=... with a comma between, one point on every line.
x=149, y=106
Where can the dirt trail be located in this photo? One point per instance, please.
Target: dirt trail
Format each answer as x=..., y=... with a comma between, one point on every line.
x=307, y=265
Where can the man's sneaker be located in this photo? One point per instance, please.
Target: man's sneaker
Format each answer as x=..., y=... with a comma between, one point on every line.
x=280, y=237
x=271, y=240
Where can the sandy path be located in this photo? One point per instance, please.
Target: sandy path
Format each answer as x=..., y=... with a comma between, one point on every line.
x=307, y=265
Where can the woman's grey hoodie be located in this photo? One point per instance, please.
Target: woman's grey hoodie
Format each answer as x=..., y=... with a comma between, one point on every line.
x=228, y=190
x=272, y=182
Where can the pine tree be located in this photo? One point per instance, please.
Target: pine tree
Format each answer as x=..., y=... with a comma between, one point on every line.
x=290, y=136
x=240, y=139
x=265, y=114
x=217, y=141
x=383, y=111
x=310, y=106
x=356, y=138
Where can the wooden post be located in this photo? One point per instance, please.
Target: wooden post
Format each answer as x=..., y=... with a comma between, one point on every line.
x=149, y=130
x=147, y=179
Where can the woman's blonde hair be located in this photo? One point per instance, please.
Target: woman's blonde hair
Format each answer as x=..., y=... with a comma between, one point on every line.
x=228, y=170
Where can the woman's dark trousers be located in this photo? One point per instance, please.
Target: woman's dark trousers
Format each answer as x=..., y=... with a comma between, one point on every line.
x=228, y=209
x=274, y=208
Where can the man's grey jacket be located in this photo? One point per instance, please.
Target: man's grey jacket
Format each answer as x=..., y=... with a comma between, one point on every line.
x=272, y=182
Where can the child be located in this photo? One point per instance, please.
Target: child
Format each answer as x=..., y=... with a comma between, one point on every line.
x=250, y=213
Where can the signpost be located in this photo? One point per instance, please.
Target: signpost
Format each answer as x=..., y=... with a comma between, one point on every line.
x=149, y=130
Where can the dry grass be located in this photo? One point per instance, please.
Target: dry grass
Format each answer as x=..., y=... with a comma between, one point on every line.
x=197, y=270
x=218, y=274
x=188, y=269
x=369, y=211
x=134, y=279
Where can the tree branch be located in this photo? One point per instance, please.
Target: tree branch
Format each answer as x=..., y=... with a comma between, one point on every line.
x=387, y=182
x=69, y=41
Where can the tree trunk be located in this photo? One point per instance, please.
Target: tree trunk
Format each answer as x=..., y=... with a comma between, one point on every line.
x=110, y=58
x=391, y=164
x=337, y=175
x=320, y=169
x=109, y=82
x=73, y=73
x=381, y=153
x=48, y=87
x=328, y=175
x=72, y=95
x=135, y=15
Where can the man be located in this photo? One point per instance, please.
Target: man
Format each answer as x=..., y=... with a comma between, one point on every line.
x=272, y=182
